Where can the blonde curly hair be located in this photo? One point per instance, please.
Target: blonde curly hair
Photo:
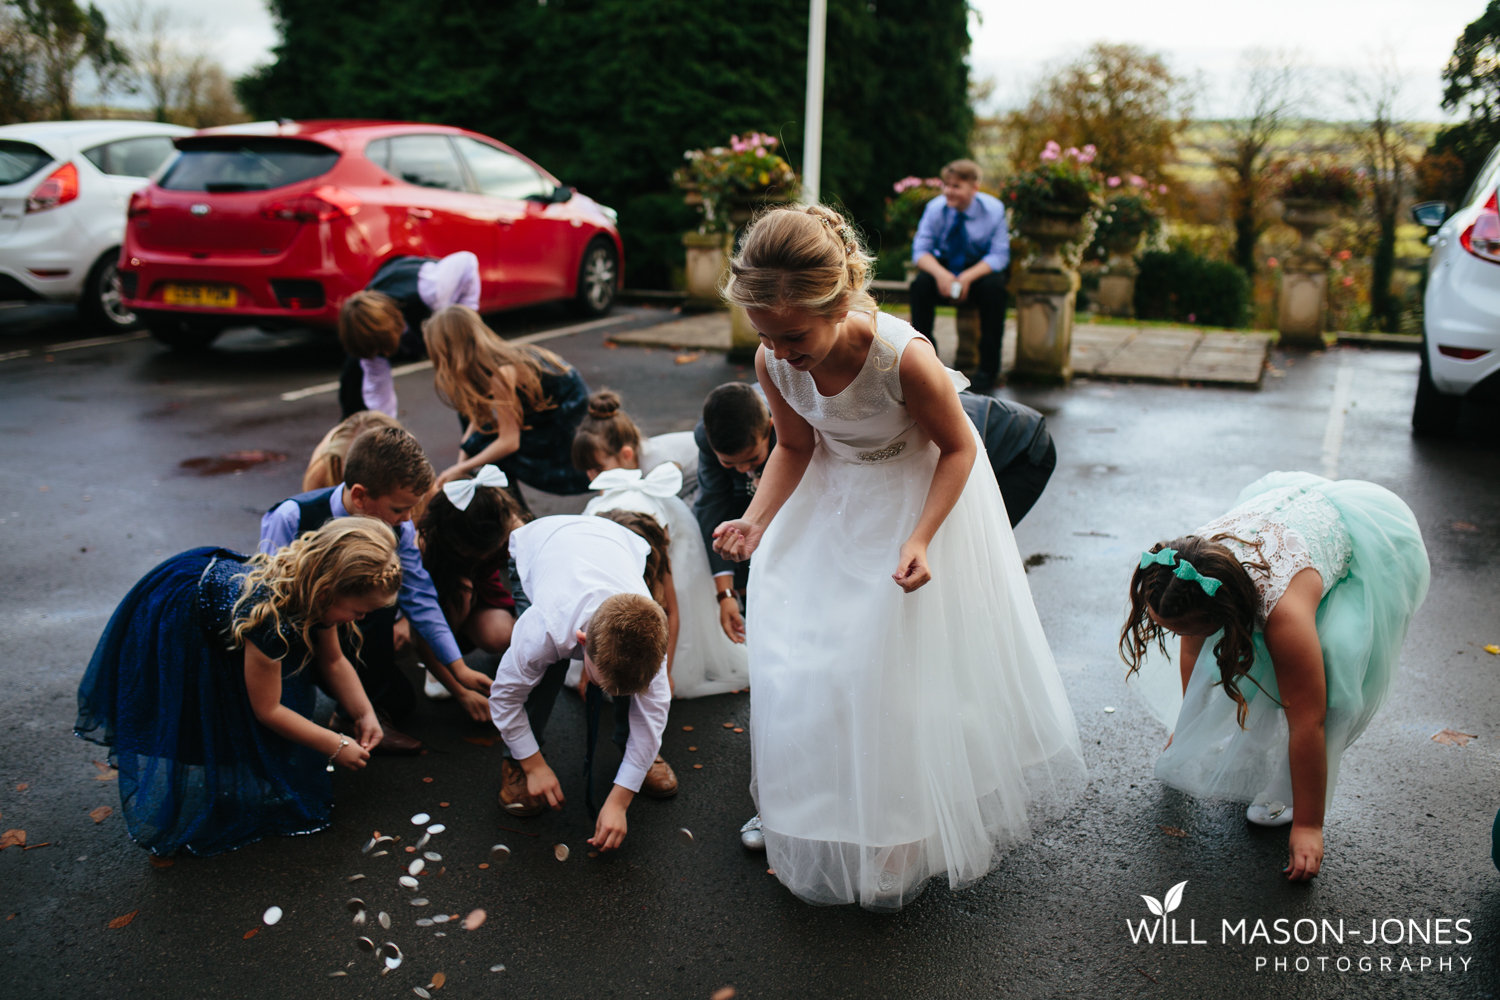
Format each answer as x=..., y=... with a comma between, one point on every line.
x=295, y=586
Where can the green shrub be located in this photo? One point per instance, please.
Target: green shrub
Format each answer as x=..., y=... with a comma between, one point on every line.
x=1180, y=286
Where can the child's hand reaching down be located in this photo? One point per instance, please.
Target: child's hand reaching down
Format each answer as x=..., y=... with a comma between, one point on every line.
x=541, y=782
x=1306, y=845
x=911, y=566
x=474, y=703
x=367, y=731
x=609, y=828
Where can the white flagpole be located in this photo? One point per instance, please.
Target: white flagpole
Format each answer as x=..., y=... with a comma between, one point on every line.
x=812, y=131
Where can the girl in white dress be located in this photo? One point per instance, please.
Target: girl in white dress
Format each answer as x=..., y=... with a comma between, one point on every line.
x=646, y=476
x=907, y=718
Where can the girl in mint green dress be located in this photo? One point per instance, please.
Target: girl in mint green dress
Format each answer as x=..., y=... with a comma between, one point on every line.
x=1291, y=609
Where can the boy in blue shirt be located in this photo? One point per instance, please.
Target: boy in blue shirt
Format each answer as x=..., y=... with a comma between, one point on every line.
x=386, y=474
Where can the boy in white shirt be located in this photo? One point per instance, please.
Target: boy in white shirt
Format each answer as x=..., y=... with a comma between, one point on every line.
x=584, y=579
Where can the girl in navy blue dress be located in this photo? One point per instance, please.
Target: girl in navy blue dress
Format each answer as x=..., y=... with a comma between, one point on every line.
x=519, y=405
x=200, y=687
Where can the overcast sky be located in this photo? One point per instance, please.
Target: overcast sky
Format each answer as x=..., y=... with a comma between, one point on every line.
x=1014, y=41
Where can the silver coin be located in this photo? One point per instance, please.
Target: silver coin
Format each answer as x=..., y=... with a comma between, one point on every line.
x=385, y=920
x=432, y=855
x=560, y=852
x=359, y=919
x=380, y=854
x=335, y=975
x=354, y=905
x=385, y=839
x=500, y=854
x=393, y=955
x=684, y=836
x=439, y=933
x=369, y=845
x=441, y=918
x=272, y=916
x=419, y=819
x=407, y=882
x=354, y=878
x=425, y=922
x=421, y=993
x=497, y=968
x=436, y=829
x=419, y=901
x=1110, y=709
x=365, y=944
x=422, y=841
x=415, y=868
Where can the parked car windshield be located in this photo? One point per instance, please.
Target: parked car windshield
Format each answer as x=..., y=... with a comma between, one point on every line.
x=221, y=164
x=19, y=160
x=131, y=157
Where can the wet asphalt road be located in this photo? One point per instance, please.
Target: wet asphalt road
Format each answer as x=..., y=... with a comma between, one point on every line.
x=93, y=493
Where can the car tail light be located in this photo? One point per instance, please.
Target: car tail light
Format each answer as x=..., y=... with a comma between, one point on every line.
x=1482, y=238
x=60, y=187
x=1462, y=353
x=319, y=205
x=140, y=204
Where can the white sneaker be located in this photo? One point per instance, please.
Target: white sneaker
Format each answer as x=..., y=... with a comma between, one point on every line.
x=1269, y=814
x=434, y=689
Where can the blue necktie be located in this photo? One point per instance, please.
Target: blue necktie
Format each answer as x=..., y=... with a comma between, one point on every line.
x=956, y=243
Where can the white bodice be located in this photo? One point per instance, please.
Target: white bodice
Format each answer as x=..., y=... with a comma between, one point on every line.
x=1298, y=528
x=867, y=422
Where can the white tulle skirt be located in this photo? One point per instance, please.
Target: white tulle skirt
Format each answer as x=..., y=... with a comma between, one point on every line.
x=898, y=736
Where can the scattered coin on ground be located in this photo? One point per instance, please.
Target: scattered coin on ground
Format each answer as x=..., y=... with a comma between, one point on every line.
x=738, y=729
x=369, y=846
x=354, y=878
x=475, y=920
x=354, y=905
x=272, y=916
x=365, y=944
x=1110, y=709
x=421, y=993
x=728, y=725
x=483, y=865
x=336, y=973
x=436, y=828
x=687, y=729
x=441, y=918
x=684, y=836
x=560, y=851
x=380, y=854
x=407, y=882
x=443, y=804
x=360, y=918
x=697, y=767
x=419, y=901
x=424, y=922
x=385, y=920
x=692, y=748
x=438, y=979
x=428, y=780
x=500, y=853
x=723, y=993
x=497, y=968
x=419, y=819
x=432, y=855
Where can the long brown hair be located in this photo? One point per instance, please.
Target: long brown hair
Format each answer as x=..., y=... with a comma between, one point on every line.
x=467, y=357
x=1232, y=608
x=606, y=429
x=658, y=562
x=326, y=467
x=470, y=543
x=296, y=585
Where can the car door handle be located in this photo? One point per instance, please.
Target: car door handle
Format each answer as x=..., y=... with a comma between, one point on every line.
x=505, y=220
x=420, y=213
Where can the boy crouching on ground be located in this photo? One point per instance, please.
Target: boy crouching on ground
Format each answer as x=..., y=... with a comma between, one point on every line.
x=582, y=584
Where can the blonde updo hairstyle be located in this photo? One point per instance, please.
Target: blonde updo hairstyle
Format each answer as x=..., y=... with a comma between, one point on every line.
x=806, y=257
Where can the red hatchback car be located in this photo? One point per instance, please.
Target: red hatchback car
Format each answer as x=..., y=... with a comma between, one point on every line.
x=276, y=224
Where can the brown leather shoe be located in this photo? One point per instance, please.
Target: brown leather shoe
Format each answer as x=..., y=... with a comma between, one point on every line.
x=661, y=782
x=514, y=798
x=392, y=743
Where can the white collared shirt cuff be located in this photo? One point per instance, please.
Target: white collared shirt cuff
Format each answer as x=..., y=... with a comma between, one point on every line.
x=629, y=775
x=524, y=745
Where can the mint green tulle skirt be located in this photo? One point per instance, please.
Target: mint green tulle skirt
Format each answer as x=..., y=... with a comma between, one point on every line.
x=1362, y=624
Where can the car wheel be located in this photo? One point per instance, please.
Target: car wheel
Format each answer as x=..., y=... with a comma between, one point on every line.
x=182, y=334
x=598, y=275
x=103, y=301
x=1434, y=414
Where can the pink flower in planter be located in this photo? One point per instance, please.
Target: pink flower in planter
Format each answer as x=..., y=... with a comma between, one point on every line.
x=1072, y=152
x=1051, y=151
x=1272, y=262
x=760, y=151
x=1089, y=152
x=1348, y=280
x=1192, y=317
x=736, y=145
x=1136, y=180
x=1113, y=182
x=1344, y=255
x=1161, y=189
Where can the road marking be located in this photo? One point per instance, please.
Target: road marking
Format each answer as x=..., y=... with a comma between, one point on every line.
x=422, y=366
x=1333, y=434
x=73, y=345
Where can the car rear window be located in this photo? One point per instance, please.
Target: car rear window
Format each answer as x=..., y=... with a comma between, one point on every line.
x=131, y=157
x=222, y=164
x=19, y=160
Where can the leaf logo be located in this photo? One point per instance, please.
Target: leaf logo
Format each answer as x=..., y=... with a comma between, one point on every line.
x=1172, y=900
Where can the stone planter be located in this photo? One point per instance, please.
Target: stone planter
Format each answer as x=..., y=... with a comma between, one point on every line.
x=1302, y=306
x=707, y=264
x=1116, y=295
x=1045, y=294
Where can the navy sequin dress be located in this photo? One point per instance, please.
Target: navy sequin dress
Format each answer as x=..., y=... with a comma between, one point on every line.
x=545, y=458
x=166, y=693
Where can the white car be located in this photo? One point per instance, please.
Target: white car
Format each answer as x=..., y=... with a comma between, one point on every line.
x=1461, y=310
x=64, y=188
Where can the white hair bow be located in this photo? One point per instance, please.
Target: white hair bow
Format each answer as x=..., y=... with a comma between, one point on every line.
x=664, y=481
x=461, y=491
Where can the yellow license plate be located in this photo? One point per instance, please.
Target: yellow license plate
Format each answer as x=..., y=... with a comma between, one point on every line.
x=213, y=296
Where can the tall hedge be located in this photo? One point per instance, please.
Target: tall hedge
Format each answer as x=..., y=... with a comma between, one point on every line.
x=607, y=94
x=1181, y=286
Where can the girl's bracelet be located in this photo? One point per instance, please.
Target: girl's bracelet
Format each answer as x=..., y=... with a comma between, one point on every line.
x=343, y=742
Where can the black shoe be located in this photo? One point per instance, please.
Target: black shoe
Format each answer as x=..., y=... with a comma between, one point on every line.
x=983, y=383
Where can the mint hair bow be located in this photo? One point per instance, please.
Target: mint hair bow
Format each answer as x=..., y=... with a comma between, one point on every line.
x=461, y=491
x=1184, y=571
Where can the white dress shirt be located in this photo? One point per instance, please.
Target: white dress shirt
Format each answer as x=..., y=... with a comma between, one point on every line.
x=569, y=565
x=451, y=281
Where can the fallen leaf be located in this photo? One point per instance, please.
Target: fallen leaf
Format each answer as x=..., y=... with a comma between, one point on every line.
x=119, y=922
x=1464, y=526
x=1171, y=831
x=689, y=358
x=474, y=920
x=250, y=934
x=1453, y=738
x=22, y=787
x=101, y=765
x=480, y=741
x=724, y=993
x=101, y=814
x=12, y=837
x=109, y=775
x=611, y=345
x=160, y=862
x=438, y=979
x=1492, y=649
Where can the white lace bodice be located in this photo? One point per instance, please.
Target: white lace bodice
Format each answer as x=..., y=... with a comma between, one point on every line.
x=868, y=421
x=1298, y=529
